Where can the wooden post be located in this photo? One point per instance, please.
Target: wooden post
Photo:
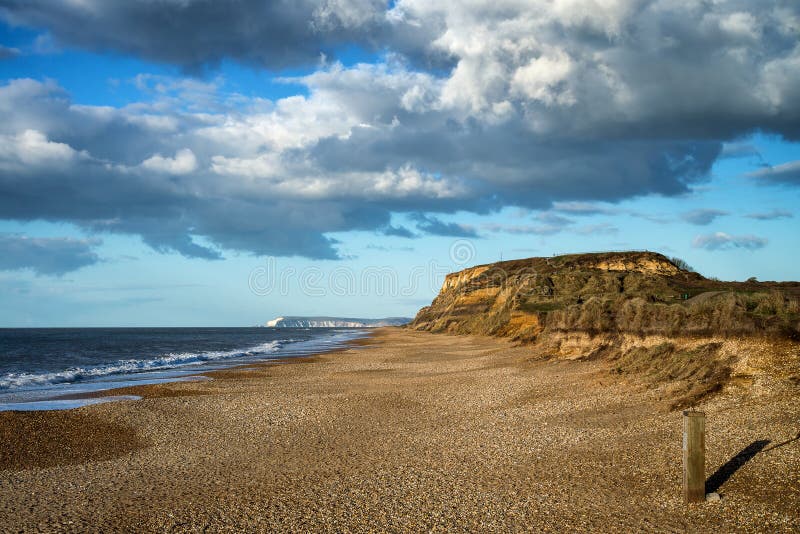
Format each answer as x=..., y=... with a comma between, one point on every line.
x=694, y=456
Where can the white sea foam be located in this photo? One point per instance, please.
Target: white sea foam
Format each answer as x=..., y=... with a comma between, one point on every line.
x=16, y=381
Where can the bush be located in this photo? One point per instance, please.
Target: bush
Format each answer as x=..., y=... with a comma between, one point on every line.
x=680, y=264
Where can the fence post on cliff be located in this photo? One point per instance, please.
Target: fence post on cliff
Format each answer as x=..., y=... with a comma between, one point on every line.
x=694, y=456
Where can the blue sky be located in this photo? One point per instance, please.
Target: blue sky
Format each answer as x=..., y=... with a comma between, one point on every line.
x=341, y=159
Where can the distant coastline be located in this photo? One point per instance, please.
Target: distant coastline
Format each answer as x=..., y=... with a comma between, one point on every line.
x=334, y=322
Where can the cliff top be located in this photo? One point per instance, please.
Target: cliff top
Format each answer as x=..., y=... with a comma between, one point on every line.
x=643, y=262
x=600, y=291
x=639, y=261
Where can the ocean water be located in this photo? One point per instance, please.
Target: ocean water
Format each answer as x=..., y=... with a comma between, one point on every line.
x=40, y=366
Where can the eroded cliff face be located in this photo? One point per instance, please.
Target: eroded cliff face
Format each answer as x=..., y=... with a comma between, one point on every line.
x=637, y=310
x=638, y=293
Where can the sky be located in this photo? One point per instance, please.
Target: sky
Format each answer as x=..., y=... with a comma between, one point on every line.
x=198, y=163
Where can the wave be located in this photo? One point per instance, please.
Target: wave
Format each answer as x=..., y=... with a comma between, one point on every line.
x=125, y=367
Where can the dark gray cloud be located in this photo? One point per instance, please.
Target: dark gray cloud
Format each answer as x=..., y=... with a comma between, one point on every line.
x=46, y=256
x=703, y=217
x=723, y=241
x=771, y=215
x=199, y=33
x=8, y=52
x=784, y=174
x=435, y=226
x=398, y=231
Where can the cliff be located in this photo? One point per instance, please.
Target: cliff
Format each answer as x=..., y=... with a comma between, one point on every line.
x=334, y=322
x=639, y=310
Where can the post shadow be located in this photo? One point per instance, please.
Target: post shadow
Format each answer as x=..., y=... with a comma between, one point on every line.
x=730, y=467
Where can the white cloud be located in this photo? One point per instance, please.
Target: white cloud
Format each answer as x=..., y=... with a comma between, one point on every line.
x=271, y=176
x=741, y=24
x=540, y=79
x=410, y=182
x=723, y=241
x=263, y=166
x=184, y=162
x=32, y=148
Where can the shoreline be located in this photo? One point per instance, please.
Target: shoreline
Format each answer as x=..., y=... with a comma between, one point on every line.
x=149, y=391
x=406, y=431
x=128, y=389
x=48, y=426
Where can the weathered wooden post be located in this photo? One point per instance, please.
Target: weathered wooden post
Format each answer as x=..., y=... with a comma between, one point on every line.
x=694, y=456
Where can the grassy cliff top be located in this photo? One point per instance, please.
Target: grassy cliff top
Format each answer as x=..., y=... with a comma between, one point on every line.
x=636, y=292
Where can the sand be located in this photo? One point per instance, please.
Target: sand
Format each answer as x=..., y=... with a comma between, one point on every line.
x=413, y=431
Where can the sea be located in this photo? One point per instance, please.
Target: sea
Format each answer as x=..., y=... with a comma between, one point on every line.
x=51, y=368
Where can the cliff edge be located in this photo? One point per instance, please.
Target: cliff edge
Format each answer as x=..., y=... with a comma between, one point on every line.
x=639, y=310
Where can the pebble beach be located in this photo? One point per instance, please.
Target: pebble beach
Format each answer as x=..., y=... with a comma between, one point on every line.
x=404, y=431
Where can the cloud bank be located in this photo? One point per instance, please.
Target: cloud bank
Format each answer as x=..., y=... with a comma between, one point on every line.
x=198, y=33
x=472, y=107
x=46, y=256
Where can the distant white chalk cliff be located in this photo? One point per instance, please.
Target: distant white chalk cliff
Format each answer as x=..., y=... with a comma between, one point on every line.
x=334, y=322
